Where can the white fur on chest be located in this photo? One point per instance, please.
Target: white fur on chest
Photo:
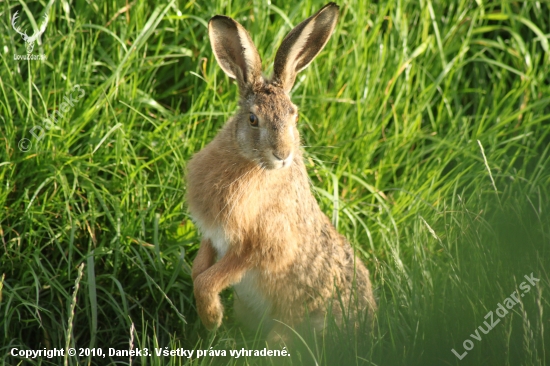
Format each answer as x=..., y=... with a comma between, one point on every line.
x=218, y=239
x=247, y=289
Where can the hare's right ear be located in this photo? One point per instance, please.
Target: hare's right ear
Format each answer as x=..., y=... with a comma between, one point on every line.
x=235, y=51
x=302, y=44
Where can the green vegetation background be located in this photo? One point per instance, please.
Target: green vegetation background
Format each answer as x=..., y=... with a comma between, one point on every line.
x=427, y=138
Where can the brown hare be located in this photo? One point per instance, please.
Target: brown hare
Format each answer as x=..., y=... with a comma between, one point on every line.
x=249, y=194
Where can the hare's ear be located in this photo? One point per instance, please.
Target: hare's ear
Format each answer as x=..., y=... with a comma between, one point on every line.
x=302, y=44
x=235, y=51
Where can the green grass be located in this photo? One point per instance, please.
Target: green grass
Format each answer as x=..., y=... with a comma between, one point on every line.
x=426, y=128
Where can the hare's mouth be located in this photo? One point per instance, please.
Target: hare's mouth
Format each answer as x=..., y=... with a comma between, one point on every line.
x=276, y=161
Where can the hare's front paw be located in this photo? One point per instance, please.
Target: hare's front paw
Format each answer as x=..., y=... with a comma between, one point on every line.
x=210, y=311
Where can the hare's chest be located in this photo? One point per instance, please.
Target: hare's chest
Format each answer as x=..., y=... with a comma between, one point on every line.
x=248, y=288
x=217, y=237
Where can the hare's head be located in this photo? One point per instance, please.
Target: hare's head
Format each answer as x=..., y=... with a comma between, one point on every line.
x=265, y=125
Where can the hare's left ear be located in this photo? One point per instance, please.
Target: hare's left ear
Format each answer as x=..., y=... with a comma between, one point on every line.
x=235, y=51
x=302, y=44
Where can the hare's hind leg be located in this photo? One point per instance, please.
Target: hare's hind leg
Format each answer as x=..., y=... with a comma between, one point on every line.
x=279, y=336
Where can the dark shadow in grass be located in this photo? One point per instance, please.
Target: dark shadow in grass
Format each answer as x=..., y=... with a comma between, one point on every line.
x=450, y=302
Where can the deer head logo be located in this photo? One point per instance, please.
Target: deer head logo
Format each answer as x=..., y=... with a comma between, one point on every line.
x=30, y=40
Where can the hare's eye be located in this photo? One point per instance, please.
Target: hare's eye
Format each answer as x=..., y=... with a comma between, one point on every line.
x=253, y=120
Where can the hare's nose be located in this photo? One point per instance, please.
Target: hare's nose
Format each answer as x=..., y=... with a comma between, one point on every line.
x=280, y=155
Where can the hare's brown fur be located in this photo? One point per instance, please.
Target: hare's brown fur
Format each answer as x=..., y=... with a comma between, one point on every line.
x=263, y=231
